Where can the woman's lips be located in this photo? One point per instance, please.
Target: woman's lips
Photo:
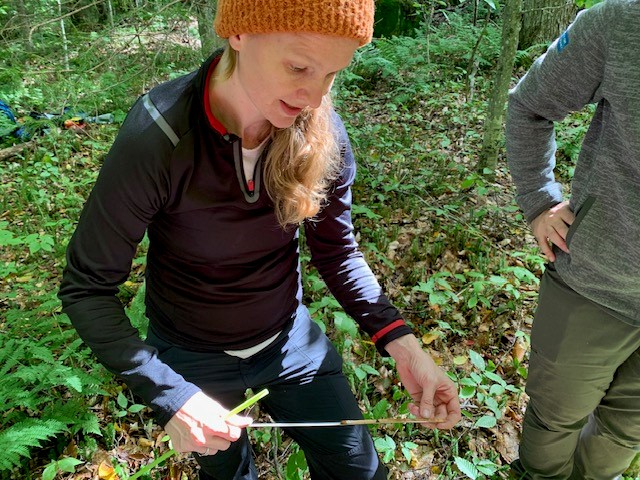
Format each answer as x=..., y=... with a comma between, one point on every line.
x=289, y=110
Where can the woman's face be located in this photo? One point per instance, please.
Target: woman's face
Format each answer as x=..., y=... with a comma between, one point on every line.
x=282, y=73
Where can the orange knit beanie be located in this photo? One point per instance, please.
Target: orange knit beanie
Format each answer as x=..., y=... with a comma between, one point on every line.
x=343, y=18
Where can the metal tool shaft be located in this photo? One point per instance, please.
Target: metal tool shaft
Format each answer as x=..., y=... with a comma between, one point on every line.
x=345, y=423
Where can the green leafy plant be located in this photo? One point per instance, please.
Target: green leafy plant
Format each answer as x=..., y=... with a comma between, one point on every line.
x=64, y=465
x=386, y=446
x=439, y=289
x=586, y=3
x=296, y=468
x=42, y=388
x=476, y=468
x=126, y=407
x=487, y=388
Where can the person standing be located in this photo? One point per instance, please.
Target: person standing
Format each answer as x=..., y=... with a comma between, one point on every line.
x=583, y=417
x=221, y=168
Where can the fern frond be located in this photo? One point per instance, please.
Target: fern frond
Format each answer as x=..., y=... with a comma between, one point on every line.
x=11, y=352
x=15, y=393
x=75, y=414
x=18, y=440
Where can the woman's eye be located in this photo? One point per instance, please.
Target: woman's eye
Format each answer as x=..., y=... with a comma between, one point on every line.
x=296, y=69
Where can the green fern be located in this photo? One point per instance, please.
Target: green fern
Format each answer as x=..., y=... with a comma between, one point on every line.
x=451, y=44
x=18, y=440
x=45, y=382
x=73, y=413
x=370, y=66
x=11, y=351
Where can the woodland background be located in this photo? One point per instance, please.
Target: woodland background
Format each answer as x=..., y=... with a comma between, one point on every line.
x=434, y=207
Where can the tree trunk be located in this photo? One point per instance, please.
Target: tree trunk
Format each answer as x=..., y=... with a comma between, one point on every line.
x=206, y=12
x=544, y=20
x=110, y=13
x=502, y=78
x=63, y=34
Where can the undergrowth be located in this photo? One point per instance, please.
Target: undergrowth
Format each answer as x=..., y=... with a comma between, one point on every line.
x=449, y=247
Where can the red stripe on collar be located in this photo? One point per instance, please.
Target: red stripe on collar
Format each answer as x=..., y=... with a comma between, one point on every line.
x=213, y=121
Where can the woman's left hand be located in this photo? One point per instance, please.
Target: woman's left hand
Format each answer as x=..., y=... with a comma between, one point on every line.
x=433, y=392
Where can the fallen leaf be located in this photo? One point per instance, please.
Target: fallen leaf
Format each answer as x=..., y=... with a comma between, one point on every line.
x=507, y=441
x=107, y=472
x=519, y=349
x=428, y=338
x=145, y=442
x=460, y=360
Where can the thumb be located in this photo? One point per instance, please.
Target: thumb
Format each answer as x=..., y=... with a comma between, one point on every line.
x=235, y=424
x=239, y=421
x=427, y=408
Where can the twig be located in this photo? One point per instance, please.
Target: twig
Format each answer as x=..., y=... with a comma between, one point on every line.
x=14, y=150
x=60, y=17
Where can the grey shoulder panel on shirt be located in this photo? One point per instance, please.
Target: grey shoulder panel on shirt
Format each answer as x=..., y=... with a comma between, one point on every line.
x=160, y=120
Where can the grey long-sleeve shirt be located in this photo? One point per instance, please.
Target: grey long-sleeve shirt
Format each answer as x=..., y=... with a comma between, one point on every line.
x=597, y=60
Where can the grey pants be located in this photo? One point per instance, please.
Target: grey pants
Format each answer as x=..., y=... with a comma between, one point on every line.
x=583, y=417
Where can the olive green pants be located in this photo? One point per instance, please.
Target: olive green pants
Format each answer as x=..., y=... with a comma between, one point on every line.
x=583, y=417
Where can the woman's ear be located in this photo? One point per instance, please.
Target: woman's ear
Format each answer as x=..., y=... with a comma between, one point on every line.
x=236, y=41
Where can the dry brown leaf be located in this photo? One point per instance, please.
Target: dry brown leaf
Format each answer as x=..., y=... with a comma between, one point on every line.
x=507, y=441
x=422, y=458
x=519, y=349
x=145, y=442
x=71, y=449
x=138, y=456
x=391, y=249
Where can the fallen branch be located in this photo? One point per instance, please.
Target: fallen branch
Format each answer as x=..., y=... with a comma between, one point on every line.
x=14, y=150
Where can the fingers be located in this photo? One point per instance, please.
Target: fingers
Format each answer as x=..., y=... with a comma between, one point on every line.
x=545, y=243
x=545, y=249
x=450, y=412
x=201, y=426
x=213, y=446
x=427, y=399
x=229, y=429
x=551, y=227
x=442, y=403
x=207, y=440
x=557, y=237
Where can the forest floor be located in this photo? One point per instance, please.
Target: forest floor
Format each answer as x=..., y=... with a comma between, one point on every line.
x=447, y=244
x=404, y=247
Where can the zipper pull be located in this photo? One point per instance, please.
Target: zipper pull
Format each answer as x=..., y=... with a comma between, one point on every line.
x=250, y=187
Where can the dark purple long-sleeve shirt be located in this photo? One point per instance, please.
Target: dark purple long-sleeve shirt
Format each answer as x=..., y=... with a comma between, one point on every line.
x=221, y=273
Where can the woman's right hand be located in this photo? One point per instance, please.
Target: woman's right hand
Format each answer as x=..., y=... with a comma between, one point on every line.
x=202, y=426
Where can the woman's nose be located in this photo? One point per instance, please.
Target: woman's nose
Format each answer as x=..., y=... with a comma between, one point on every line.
x=313, y=93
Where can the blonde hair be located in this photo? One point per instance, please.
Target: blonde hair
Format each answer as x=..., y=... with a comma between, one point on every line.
x=301, y=162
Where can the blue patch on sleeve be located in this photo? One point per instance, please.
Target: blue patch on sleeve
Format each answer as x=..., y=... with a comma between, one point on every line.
x=563, y=41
